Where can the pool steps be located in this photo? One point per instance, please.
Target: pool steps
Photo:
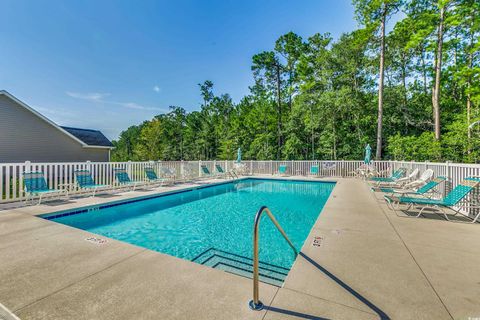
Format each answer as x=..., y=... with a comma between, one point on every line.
x=242, y=266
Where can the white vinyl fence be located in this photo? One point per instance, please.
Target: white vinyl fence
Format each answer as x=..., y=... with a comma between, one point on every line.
x=57, y=174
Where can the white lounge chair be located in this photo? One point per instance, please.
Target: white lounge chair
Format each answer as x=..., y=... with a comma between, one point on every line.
x=401, y=181
x=423, y=179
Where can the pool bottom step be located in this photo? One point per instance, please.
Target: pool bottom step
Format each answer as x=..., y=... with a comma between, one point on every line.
x=242, y=266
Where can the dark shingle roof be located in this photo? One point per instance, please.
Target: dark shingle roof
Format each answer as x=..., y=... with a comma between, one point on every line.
x=89, y=136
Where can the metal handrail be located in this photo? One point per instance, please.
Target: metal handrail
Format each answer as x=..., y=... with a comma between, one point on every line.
x=256, y=304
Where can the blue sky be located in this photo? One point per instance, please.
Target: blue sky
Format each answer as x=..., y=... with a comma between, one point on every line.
x=111, y=64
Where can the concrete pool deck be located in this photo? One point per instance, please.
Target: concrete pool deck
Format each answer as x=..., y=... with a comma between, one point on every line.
x=360, y=261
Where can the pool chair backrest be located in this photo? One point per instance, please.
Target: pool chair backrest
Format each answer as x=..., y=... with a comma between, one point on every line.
x=122, y=175
x=187, y=168
x=282, y=169
x=205, y=169
x=34, y=182
x=219, y=168
x=314, y=169
x=426, y=175
x=460, y=191
x=413, y=174
x=430, y=185
x=399, y=173
x=150, y=173
x=167, y=171
x=84, y=178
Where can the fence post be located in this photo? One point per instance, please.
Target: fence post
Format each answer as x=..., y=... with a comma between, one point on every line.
x=447, y=170
x=251, y=167
x=448, y=176
x=28, y=166
x=88, y=167
x=182, y=169
x=199, y=168
x=271, y=167
x=226, y=165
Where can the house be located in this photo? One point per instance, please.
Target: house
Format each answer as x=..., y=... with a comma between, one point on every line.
x=26, y=135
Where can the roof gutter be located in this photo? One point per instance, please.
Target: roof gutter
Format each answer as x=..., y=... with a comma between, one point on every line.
x=97, y=147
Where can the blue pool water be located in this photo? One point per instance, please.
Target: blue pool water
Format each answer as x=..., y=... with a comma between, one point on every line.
x=221, y=217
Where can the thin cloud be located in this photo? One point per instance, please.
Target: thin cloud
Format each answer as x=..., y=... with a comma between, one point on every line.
x=58, y=115
x=136, y=106
x=100, y=97
x=92, y=96
x=156, y=89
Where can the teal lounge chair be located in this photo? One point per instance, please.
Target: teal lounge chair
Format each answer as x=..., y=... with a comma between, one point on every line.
x=34, y=184
x=219, y=171
x=402, y=180
x=224, y=173
x=206, y=172
x=314, y=170
x=152, y=176
x=425, y=190
x=452, y=199
x=123, y=179
x=397, y=174
x=85, y=181
x=282, y=170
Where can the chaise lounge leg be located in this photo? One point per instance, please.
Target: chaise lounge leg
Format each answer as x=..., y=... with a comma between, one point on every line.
x=476, y=218
x=421, y=211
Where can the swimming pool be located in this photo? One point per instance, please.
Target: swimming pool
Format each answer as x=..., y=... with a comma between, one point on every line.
x=213, y=225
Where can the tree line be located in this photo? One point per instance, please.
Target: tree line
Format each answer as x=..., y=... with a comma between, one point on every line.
x=412, y=93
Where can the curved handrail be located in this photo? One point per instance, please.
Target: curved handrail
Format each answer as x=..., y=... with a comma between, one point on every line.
x=256, y=304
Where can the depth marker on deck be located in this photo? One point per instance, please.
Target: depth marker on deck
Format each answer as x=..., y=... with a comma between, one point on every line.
x=317, y=241
x=95, y=240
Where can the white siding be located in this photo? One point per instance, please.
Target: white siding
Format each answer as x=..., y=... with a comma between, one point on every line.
x=26, y=137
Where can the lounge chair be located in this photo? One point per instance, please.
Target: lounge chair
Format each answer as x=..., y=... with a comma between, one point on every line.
x=34, y=184
x=423, y=179
x=397, y=174
x=452, y=199
x=365, y=171
x=224, y=173
x=168, y=174
x=401, y=181
x=240, y=169
x=152, y=177
x=282, y=170
x=187, y=172
x=206, y=172
x=314, y=171
x=427, y=190
x=85, y=181
x=474, y=206
x=123, y=179
x=408, y=178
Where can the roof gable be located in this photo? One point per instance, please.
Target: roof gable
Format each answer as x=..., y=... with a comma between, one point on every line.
x=62, y=129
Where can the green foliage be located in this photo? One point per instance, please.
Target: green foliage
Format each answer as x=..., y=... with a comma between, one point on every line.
x=418, y=148
x=317, y=98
